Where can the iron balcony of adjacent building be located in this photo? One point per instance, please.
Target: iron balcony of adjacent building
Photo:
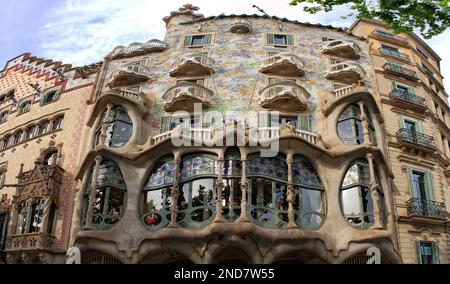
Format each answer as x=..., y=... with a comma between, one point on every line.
x=129, y=75
x=285, y=96
x=395, y=55
x=193, y=65
x=405, y=99
x=425, y=208
x=347, y=72
x=400, y=71
x=415, y=140
x=185, y=95
x=390, y=38
x=283, y=64
x=341, y=48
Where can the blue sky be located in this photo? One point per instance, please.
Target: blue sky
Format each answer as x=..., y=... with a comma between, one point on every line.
x=84, y=31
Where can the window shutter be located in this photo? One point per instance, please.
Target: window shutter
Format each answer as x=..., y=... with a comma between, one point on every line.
x=207, y=39
x=187, y=41
x=418, y=253
x=429, y=187
x=411, y=90
x=394, y=85
x=270, y=39
x=435, y=248
x=304, y=122
x=57, y=93
x=165, y=124
x=412, y=191
x=289, y=40
x=264, y=119
x=420, y=127
x=401, y=121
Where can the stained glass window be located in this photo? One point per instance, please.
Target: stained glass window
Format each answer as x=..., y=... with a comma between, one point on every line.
x=199, y=165
x=304, y=173
x=270, y=167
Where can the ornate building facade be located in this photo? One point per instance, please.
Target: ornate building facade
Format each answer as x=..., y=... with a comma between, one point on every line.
x=160, y=182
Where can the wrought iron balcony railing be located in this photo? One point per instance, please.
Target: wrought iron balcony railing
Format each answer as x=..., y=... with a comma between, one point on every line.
x=399, y=95
x=392, y=53
x=389, y=37
x=400, y=71
x=425, y=208
x=416, y=138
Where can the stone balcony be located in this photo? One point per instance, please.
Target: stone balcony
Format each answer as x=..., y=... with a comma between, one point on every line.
x=285, y=96
x=412, y=140
x=341, y=48
x=404, y=99
x=284, y=64
x=30, y=242
x=400, y=71
x=129, y=75
x=192, y=65
x=347, y=72
x=185, y=95
x=127, y=94
x=389, y=38
x=428, y=209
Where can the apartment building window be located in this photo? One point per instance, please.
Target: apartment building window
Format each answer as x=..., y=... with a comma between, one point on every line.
x=43, y=128
x=34, y=226
x=2, y=98
x=403, y=88
x=3, y=117
x=302, y=121
x=350, y=128
x=18, y=137
x=2, y=178
x=200, y=82
x=389, y=50
x=50, y=97
x=30, y=132
x=3, y=230
x=280, y=40
x=422, y=53
x=25, y=107
x=119, y=130
x=427, y=252
x=57, y=124
x=385, y=34
x=197, y=40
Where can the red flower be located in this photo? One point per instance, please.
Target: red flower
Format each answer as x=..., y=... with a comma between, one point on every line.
x=150, y=220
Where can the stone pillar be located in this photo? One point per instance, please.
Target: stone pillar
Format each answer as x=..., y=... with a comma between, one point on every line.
x=244, y=188
x=290, y=192
x=375, y=196
x=365, y=124
x=51, y=122
x=29, y=205
x=92, y=193
x=105, y=125
x=175, y=192
x=46, y=215
x=446, y=147
x=220, y=185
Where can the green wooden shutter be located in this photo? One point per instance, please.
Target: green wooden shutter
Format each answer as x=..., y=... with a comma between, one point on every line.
x=419, y=127
x=411, y=91
x=401, y=121
x=270, y=39
x=289, y=40
x=187, y=41
x=435, y=248
x=394, y=85
x=429, y=191
x=304, y=123
x=207, y=39
x=412, y=190
x=418, y=253
x=264, y=119
x=165, y=124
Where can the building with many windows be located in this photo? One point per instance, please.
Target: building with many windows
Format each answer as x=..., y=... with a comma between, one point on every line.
x=242, y=139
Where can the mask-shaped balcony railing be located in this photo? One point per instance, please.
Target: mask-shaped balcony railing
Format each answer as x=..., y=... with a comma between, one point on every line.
x=401, y=97
x=285, y=96
x=283, y=64
x=129, y=75
x=425, y=208
x=347, y=72
x=184, y=95
x=131, y=95
x=341, y=48
x=196, y=64
x=413, y=139
x=400, y=71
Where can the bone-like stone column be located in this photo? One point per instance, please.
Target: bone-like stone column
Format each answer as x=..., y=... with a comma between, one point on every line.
x=175, y=192
x=220, y=185
x=290, y=192
x=244, y=188
x=105, y=125
x=365, y=124
x=92, y=193
x=375, y=196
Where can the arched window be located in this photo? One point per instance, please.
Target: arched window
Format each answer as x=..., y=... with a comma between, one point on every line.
x=356, y=198
x=51, y=158
x=25, y=107
x=157, y=194
x=43, y=127
x=268, y=190
x=110, y=197
x=50, y=97
x=310, y=196
x=350, y=128
x=3, y=116
x=120, y=128
x=18, y=137
x=196, y=203
x=232, y=193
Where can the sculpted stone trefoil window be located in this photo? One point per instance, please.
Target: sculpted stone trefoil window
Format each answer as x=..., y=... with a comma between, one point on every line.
x=116, y=128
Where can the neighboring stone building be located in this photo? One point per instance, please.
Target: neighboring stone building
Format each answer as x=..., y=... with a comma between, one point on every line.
x=337, y=188
x=417, y=115
x=42, y=109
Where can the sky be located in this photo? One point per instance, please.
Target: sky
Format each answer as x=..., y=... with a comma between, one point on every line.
x=82, y=32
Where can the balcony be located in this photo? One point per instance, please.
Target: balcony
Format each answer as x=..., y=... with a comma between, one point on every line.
x=400, y=71
x=129, y=95
x=192, y=65
x=346, y=72
x=30, y=242
x=285, y=96
x=424, y=208
x=394, y=54
x=129, y=75
x=415, y=140
x=185, y=95
x=283, y=64
x=389, y=38
x=341, y=48
x=405, y=99
x=276, y=132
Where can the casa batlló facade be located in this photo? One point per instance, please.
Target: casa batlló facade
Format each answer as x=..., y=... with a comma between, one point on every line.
x=236, y=139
